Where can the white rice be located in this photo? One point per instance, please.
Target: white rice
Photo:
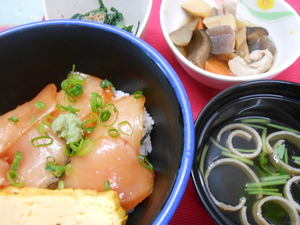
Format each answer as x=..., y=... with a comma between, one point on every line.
x=146, y=146
x=120, y=94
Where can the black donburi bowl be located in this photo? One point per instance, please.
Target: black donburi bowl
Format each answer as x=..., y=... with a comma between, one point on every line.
x=274, y=99
x=36, y=54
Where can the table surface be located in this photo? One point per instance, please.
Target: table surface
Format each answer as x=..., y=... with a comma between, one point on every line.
x=190, y=211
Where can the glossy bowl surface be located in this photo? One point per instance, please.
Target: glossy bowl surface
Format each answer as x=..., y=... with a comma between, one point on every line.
x=274, y=16
x=36, y=54
x=274, y=99
x=135, y=12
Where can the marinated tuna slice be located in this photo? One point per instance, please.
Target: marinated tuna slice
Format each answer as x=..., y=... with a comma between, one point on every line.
x=33, y=164
x=26, y=114
x=4, y=167
x=128, y=121
x=113, y=160
x=92, y=84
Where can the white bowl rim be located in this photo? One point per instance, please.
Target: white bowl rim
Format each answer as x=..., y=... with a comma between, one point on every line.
x=196, y=69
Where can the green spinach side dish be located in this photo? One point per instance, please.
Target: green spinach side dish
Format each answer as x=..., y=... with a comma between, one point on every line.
x=101, y=15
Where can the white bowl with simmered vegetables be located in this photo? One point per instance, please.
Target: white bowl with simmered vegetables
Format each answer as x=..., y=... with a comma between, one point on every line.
x=226, y=42
x=132, y=16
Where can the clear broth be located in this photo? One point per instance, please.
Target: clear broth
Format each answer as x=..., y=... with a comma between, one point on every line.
x=233, y=187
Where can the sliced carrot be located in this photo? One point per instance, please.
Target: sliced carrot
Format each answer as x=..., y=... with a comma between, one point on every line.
x=217, y=66
x=200, y=24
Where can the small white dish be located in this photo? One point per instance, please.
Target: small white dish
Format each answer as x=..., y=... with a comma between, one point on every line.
x=279, y=18
x=135, y=12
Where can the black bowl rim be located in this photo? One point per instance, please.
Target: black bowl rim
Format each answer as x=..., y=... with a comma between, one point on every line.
x=201, y=190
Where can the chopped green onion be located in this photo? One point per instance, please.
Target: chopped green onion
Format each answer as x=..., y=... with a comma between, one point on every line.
x=68, y=169
x=17, y=161
x=56, y=170
x=96, y=102
x=143, y=160
x=258, y=192
x=263, y=139
x=14, y=178
x=124, y=126
x=12, y=175
x=103, y=84
x=61, y=185
x=32, y=119
x=240, y=158
x=50, y=159
x=69, y=151
x=246, y=150
x=77, y=78
x=285, y=159
x=41, y=129
x=219, y=146
x=276, y=177
x=296, y=159
x=137, y=94
x=297, y=162
x=263, y=191
x=40, y=105
x=106, y=113
x=93, y=116
x=106, y=185
x=13, y=119
x=89, y=125
x=46, y=118
x=283, y=128
x=113, y=132
x=73, y=69
x=68, y=108
x=267, y=183
x=106, y=83
x=87, y=146
x=203, y=155
x=76, y=146
x=62, y=108
x=72, y=89
x=254, y=126
x=256, y=120
x=81, y=148
x=44, y=137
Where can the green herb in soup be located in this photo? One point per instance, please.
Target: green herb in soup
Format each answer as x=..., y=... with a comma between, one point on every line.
x=101, y=15
x=256, y=162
